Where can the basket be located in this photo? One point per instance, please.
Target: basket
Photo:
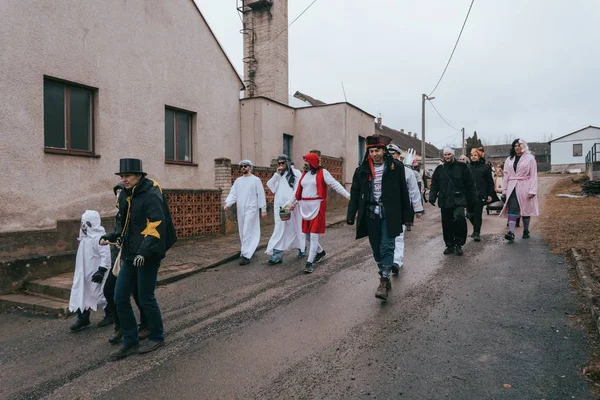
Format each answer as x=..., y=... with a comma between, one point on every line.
x=285, y=216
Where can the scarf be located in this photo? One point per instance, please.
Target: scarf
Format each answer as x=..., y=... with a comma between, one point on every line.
x=321, y=185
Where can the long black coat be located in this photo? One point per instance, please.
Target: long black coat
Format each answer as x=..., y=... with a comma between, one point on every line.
x=443, y=189
x=483, y=180
x=394, y=196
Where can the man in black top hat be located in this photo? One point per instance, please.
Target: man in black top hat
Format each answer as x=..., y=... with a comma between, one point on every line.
x=380, y=196
x=146, y=234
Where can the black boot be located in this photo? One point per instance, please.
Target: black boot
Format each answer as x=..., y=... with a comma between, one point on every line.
x=108, y=319
x=83, y=321
x=117, y=338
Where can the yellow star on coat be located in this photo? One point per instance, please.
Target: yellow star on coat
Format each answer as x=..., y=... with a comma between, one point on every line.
x=151, y=229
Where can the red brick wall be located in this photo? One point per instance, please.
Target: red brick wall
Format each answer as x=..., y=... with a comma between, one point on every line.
x=195, y=212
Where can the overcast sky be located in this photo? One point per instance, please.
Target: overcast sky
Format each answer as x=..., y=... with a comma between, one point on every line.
x=523, y=68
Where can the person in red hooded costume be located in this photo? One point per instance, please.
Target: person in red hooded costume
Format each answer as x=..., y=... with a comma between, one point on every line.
x=311, y=198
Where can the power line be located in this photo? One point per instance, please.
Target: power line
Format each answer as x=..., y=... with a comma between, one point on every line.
x=443, y=119
x=285, y=29
x=455, y=45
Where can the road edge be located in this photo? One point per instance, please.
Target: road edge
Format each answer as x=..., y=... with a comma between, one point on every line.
x=586, y=283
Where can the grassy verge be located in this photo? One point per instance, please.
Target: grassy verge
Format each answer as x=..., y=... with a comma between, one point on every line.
x=572, y=222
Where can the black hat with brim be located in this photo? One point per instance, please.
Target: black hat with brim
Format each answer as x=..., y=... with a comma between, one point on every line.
x=378, y=141
x=130, y=166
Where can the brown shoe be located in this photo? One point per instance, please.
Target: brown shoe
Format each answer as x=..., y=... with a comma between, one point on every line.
x=382, y=289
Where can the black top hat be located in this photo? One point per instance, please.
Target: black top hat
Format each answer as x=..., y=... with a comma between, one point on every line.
x=130, y=166
x=378, y=141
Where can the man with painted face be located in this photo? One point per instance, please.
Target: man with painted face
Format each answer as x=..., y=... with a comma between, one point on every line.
x=249, y=195
x=453, y=186
x=311, y=198
x=287, y=234
x=147, y=232
x=91, y=265
x=380, y=197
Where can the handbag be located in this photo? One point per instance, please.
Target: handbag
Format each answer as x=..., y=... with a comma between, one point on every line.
x=117, y=265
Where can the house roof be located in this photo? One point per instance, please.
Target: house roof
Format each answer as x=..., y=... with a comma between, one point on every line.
x=220, y=46
x=503, y=150
x=310, y=100
x=308, y=107
x=572, y=133
x=406, y=141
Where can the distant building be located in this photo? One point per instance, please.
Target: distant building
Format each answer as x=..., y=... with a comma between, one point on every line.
x=569, y=151
x=541, y=150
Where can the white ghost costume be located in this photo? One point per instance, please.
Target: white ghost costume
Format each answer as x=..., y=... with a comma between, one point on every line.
x=287, y=234
x=415, y=198
x=249, y=195
x=86, y=294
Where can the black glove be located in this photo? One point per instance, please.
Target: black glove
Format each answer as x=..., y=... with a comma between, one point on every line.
x=350, y=221
x=503, y=198
x=119, y=241
x=99, y=275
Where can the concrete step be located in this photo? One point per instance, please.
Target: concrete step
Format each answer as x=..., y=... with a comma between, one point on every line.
x=48, y=305
x=58, y=286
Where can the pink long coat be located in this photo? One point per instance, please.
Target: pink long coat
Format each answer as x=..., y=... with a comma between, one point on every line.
x=524, y=181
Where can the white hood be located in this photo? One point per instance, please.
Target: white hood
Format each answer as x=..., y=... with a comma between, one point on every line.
x=90, y=225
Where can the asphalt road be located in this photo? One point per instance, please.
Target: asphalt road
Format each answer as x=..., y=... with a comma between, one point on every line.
x=493, y=324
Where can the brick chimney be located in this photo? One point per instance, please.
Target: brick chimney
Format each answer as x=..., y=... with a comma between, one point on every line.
x=266, y=48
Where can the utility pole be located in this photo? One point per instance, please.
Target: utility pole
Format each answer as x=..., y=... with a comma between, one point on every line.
x=423, y=158
x=463, y=141
x=423, y=132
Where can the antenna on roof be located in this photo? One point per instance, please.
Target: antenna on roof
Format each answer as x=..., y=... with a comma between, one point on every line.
x=344, y=90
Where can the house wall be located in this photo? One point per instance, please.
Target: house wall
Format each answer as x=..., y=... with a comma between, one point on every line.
x=140, y=55
x=562, y=149
x=263, y=124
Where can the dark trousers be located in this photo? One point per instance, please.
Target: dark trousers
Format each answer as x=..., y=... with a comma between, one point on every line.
x=145, y=278
x=477, y=216
x=109, y=293
x=382, y=243
x=111, y=306
x=454, y=226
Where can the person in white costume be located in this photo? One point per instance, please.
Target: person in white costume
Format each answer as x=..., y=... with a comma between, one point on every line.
x=248, y=194
x=311, y=198
x=414, y=195
x=287, y=234
x=91, y=265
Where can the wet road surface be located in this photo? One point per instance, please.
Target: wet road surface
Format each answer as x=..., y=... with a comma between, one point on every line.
x=494, y=323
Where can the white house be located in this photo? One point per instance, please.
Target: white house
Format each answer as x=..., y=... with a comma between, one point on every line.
x=569, y=151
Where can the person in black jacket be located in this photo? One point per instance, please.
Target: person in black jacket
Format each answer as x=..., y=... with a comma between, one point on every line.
x=484, y=182
x=146, y=232
x=453, y=186
x=380, y=197
x=112, y=316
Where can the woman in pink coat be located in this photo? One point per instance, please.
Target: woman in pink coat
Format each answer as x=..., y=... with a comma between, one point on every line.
x=520, y=188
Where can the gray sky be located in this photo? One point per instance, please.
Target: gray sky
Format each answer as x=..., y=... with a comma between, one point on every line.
x=523, y=68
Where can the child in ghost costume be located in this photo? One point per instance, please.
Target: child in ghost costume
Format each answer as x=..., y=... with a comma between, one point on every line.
x=91, y=265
